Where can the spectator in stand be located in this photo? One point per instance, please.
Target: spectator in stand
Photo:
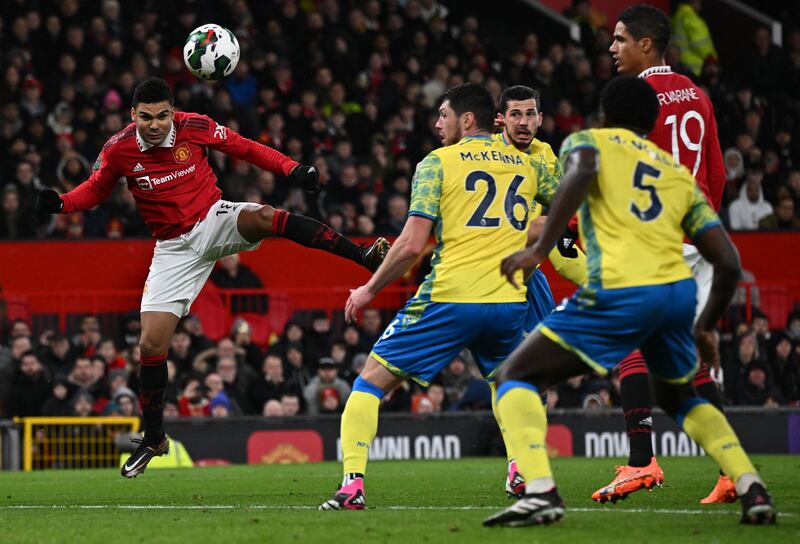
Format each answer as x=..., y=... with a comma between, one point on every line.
x=455, y=379
x=293, y=334
x=123, y=403
x=765, y=65
x=235, y=383
x=754, y=390
x=297, y=374
x=192, y=401
x=745, y=212
x=371, y=328
x=231, y=274
x=736, y=371
x=59, y=404
x=290, y=403
x=86, y=341
x=397, y=211
x=793, y=327
x=82, y=402
x=208, y=359
x=324, y=388
x=270, y=385
x=432, y=401
x=691, y=35
x=108, y=352
x=785, y=369
x=29, y=388
x=782, y=218
x=318, y=338
x=242, y=336
x=54, y=352
x=15, y=222
x=221, y=406
x=180, y=351
x=272, y=408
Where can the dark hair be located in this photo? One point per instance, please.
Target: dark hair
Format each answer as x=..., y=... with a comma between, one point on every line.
x=474, y=98
x=151, y=91
x=629, y=101
x=518, y=92
x=648, y=22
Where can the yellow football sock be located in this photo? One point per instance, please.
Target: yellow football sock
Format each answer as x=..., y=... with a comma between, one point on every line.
x=359, y=427
x=496, y=412
x=525, y=421
x=710, y=428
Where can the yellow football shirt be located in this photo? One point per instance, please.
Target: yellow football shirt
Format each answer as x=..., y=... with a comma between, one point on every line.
x=479, y=193
x=571, y=268
x=634, y=218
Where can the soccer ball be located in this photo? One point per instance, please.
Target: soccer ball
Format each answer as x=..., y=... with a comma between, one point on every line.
x=211, y=52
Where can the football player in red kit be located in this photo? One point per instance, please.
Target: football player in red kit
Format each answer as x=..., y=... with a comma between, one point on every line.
x=163, y=157
x=687, y=128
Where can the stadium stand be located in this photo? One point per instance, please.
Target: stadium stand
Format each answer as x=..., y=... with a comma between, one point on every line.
x=351, y=88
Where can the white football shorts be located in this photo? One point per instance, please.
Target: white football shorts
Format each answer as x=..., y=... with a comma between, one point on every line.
x=703, y=274
x=181, y=265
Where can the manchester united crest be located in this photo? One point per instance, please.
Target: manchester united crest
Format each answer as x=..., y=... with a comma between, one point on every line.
x=182, y=153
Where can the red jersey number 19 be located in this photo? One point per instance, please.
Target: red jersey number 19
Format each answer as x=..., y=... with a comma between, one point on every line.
x=690, y=144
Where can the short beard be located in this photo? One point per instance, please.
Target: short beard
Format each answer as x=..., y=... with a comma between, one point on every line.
x=519, y=145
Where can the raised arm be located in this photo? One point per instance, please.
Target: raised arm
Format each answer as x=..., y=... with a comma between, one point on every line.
x=234, y=144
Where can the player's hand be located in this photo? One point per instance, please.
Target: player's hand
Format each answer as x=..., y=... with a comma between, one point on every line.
x=499, y=123
x=358, y=299
x=520, y=260
x=48, y=201
x=566, y=244
x=708, y=346
x=307, y=176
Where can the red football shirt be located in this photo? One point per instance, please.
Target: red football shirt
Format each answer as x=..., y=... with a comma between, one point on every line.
x=687, y=128
x=172, y=183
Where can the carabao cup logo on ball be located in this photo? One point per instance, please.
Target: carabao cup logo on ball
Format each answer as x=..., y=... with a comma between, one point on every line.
x=211, y=52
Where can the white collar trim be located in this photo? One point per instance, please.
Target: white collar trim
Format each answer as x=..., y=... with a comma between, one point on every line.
x=656, y=70
x=169, y=141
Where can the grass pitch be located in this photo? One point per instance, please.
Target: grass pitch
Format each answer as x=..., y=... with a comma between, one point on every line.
x=413, y=501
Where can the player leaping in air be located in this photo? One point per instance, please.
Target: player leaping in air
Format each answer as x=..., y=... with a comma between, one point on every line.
x=163, y=157
x=635, y=206
x=475, y=194
x=685, y=128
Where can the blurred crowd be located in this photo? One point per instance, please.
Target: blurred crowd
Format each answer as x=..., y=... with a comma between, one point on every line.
x=310, y=368
x=347, y=86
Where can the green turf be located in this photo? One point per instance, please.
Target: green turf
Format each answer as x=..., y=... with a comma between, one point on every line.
x=412, y=501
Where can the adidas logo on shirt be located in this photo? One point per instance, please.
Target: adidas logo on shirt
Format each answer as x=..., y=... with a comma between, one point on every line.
x=138, y=167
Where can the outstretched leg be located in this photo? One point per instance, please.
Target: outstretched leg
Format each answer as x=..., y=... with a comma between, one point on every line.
x=255, y=224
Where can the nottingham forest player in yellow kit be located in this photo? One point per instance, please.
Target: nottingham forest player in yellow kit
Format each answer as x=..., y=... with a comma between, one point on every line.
x=636, y=203
x=475, y=194
x=520, y=117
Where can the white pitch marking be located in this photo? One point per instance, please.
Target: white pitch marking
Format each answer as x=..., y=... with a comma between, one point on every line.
x=304, y=507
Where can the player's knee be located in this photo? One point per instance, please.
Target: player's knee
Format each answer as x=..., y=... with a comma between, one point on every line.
x=150, y=347
x=265, y=215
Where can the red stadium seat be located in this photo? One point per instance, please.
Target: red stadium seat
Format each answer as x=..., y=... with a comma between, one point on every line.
x=212, y=312
x=18, y=308
x=776, y=303
x=261, y=327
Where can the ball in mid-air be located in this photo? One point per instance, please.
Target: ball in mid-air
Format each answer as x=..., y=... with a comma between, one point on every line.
x=211, y=52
